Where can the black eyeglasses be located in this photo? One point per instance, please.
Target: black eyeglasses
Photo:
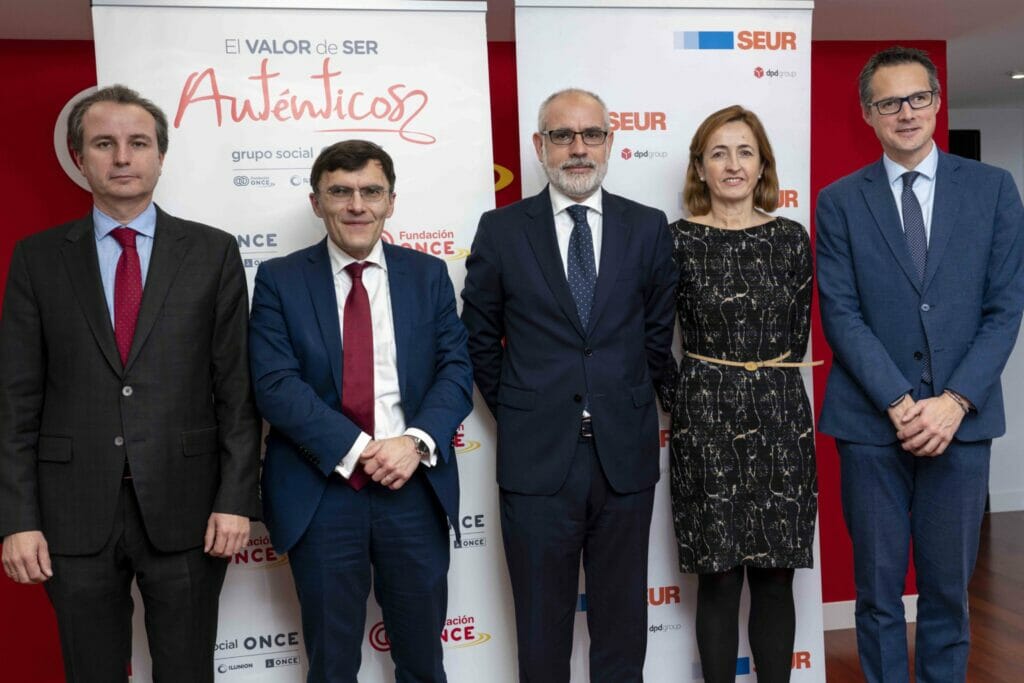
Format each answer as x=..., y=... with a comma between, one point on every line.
x=563, y=136
x=343, y=195
x=892, y=105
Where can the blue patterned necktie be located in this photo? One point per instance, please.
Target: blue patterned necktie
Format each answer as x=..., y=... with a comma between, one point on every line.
x=913, y=225
x=917, y=244
x=581, y=270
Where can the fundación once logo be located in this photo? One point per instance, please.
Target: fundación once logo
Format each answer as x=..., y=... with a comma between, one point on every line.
x=440, y=243
x=458, y=632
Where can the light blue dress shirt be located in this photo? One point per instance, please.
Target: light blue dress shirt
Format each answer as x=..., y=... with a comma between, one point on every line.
x=924, y=185
x=109, y=250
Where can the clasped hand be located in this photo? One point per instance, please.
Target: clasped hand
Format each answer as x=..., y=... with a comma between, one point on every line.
x=390, y=462
x=926, y=427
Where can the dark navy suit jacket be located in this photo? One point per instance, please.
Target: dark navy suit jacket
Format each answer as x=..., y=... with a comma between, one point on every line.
x=537, y=382
x=295, y=351
x=880, y=320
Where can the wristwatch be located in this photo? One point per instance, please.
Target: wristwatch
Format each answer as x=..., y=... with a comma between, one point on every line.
x=422, y=449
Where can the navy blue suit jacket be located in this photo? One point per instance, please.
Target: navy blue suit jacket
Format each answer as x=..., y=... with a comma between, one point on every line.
x=880, y=320
x=536, y=382
x=295, y=352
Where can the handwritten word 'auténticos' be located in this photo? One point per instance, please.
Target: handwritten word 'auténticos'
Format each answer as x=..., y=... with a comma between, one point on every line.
x=390, y=111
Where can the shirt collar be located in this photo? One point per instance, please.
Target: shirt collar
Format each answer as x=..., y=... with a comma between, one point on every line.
x=928, y=166
x=340, y=259
x=560, y=202
x=144, y=223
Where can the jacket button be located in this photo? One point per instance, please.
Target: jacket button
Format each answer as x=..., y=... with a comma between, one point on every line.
x=925, y=307
x=588, y=352
x=578, y=398
x=118, y=441
x=127, y=391
x=918, y=355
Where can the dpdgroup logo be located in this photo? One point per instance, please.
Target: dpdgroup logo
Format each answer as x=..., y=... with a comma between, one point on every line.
x=440, y=243
x=761, y=72
x=628, y=153
x=458, y=632
x=258, y=553
x=473, y=530
x=461, y=444
x=734, y=40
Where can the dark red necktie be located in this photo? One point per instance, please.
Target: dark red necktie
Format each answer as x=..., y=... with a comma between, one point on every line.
x=357, y=363
x=127, y=290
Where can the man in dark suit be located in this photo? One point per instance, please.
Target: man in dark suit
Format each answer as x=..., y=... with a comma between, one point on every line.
x=129, y=444
x=569, y=306
x=360, y=367
x=921, y=283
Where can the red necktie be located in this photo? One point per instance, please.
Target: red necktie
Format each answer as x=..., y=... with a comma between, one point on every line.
x=127, y=291
x=357, y=363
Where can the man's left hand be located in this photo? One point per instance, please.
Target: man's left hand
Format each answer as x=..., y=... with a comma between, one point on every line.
x=929, y=425
x=226, y=534
x=391, y=462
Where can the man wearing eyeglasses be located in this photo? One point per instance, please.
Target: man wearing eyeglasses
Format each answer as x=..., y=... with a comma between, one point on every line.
x=921, y=285
x=568, y=303
x=359, y=364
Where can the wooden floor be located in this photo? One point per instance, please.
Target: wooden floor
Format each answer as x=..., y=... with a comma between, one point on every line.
x=997, y=612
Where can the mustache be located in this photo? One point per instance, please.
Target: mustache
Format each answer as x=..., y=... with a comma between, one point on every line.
x=577, y=163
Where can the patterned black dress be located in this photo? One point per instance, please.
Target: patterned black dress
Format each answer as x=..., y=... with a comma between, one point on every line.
x=743, y=479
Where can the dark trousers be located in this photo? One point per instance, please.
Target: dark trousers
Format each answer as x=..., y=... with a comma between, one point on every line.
x=92, y=597
x=544, y=536
x=403, y=536
x=891, y=497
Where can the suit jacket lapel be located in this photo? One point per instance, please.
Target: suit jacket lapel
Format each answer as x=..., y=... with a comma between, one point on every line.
x=945, y=207
x=614, y=240
x=170, y=242
x=878, y=196
x=320, y=281
x=400, y=286
x=540, y=232
x=82, y=264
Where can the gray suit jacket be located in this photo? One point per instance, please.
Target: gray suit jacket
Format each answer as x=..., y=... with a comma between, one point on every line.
x=181, y=409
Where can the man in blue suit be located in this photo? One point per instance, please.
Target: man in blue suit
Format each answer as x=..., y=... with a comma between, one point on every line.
x=920, y=278
x=359, y=365
x=569, y=306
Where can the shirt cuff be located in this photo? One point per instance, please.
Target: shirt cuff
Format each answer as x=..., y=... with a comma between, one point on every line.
x=431, y=459
x=351, y=459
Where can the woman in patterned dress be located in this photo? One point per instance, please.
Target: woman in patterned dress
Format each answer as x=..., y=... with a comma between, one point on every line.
x=743, y=479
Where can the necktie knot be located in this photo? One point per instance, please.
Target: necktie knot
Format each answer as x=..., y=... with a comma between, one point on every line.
x=355, y=270
x=124, y=236
x=578, y=213
x=908, y=180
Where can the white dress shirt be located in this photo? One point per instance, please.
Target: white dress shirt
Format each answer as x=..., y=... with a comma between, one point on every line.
x=563, y=224
x=388, y=416
x=924, y=185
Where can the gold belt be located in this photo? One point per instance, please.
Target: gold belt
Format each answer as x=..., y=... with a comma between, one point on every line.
x=752, y=365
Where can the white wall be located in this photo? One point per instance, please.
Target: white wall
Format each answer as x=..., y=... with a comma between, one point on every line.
x=1002, y=144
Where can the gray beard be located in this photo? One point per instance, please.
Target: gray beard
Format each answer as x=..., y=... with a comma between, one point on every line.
x=576, y=185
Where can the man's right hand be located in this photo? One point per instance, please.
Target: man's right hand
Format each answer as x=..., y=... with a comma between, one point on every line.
x=26, y=557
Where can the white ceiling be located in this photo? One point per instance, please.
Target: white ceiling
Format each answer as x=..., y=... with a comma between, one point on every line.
x=985, y=38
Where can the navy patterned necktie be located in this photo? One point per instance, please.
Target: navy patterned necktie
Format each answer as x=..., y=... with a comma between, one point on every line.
x=913, y=225
x=581, y=270
x=917, y=244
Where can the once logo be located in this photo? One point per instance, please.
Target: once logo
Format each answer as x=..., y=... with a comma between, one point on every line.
x=439, y=243
x=462, y=631
x=258, y=553
x=461, y=444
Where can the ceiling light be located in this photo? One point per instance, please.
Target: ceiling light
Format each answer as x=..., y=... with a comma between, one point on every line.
x=1016, y=75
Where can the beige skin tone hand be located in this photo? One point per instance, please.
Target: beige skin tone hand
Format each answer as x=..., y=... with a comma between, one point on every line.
x=390, y=462
x=226, y=534
x=926, y=427
x=26, y=557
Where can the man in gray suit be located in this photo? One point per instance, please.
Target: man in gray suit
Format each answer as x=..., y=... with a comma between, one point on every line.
x=129, y=445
